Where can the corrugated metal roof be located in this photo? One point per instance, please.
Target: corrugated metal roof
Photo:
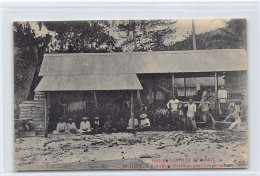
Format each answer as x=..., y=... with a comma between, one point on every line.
x=89, y=82
x=144, y=62
x=195, y=61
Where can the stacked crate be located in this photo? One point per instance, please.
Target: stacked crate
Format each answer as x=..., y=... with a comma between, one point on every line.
x=34, y=112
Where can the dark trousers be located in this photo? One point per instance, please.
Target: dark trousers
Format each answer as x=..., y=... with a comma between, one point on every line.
x=191, y=124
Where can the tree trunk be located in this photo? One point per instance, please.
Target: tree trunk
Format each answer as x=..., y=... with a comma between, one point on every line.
x=134, y=35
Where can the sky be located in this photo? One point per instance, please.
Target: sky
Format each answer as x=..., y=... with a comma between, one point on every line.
x=201, y=26
x=183, y=28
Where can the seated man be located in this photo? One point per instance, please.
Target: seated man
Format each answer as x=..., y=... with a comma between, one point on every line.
x=96, y=126
x=108, y=125
x=72, y=126
x=132, y=124
x=121, y=125
x=61, y=127
x=233, y=115
x=145, y=122
x=85, y=126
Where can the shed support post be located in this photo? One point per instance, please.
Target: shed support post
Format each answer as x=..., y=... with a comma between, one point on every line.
x=185, y=94
x=132, y=108
x=154, y=92
x=45, y=116
x=216, y=95
x=95, y=101
x=90, y=102
x=138, y=94
x=173, y=81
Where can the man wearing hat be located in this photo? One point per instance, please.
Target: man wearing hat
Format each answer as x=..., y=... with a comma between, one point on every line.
x=233, y=115
x=96, y=126
x=61, y=127
x=72, y=126
x=85, y=125
x=144, y=122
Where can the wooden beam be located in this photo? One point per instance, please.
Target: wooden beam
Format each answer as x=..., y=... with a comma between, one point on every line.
x=45, y=116
x=216, y=95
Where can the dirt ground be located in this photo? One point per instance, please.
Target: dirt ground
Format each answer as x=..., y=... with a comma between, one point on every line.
x=157, y=150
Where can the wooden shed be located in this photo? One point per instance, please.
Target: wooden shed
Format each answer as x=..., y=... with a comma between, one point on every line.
x=79, y=80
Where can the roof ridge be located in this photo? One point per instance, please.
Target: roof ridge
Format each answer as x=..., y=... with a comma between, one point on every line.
x=148, y=52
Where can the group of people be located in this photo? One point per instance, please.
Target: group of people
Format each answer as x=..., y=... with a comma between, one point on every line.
x=71, y=128
x=179, y=116
x=182, y=114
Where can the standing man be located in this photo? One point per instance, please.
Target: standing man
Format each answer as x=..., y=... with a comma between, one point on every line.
x=222, y=98
x=191, y=123
x=173, y=106
x=205, y=114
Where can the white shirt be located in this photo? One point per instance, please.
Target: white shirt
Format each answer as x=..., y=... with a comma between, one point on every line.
x=222, y=94
x=71, y=126
x=205, y=105
x=174, y=105
x=191, y=110
x=61, y=126
x=85, y=125
x=145, y=122
x=130, y=123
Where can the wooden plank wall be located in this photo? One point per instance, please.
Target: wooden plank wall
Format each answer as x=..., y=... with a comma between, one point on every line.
x=34, y=112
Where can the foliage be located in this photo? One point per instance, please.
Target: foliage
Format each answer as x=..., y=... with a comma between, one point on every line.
x=145, y=35
x=28, y=54
x=81, y=37
x=233, y=36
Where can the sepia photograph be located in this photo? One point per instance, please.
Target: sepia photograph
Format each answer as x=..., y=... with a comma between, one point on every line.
x=158, y=94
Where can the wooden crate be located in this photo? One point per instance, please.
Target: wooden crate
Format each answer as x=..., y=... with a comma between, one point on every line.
x=27, y=133
x=219, y=125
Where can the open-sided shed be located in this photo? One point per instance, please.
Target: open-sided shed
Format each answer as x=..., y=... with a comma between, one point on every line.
x=119, y=71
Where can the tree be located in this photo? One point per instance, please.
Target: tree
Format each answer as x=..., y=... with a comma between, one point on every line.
x=236, y=32
x=81, y=37
x=28, y=55
x=145, y=35
x=232, y=36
